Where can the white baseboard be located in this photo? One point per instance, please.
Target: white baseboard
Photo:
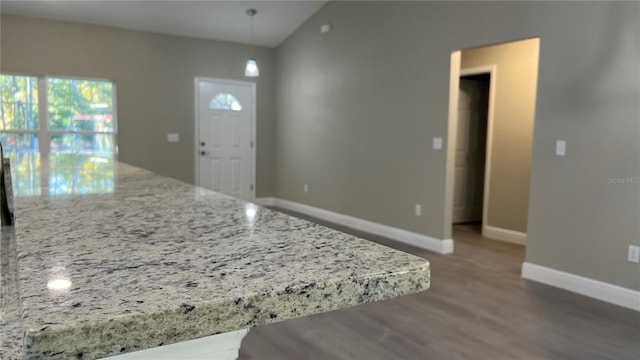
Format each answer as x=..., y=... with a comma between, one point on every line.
x=265, y=201
x=593, y=288
x=404, y=236
x=511, y=236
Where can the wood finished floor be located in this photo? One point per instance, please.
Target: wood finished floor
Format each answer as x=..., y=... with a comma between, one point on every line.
x=478, y=307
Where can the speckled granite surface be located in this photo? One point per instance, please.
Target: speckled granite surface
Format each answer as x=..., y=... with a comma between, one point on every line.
x=159, y=261
x=11, y=328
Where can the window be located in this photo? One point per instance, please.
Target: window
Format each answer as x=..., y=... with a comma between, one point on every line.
x=80, y=116
x=225, y=101
x=69, y=121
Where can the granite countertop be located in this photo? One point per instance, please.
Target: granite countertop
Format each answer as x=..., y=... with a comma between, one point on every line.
x=11, y=328
x=146, y=260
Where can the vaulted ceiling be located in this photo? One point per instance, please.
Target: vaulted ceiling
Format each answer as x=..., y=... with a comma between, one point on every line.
x=219, y=20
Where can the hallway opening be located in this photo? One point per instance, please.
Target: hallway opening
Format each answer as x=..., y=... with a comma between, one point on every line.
x=491, y=120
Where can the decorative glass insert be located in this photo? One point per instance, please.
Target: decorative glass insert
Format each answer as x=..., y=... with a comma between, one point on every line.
x=225, y=101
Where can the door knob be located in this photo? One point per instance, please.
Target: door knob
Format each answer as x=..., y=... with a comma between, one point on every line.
x=203, y=153
x=202, y=143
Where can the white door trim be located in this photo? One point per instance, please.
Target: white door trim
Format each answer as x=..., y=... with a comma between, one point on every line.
x=492, y=70
x=452, y=134
x=456, y=74
x=196, y=148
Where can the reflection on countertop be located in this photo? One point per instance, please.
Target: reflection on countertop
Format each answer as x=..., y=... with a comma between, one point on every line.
x=64, y=174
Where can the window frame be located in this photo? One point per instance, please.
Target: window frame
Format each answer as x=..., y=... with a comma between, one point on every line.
x=44, y=132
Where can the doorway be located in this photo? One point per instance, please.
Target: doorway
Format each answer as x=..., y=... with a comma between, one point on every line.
x=225, y=136
x=507, y=135
x=471, y=147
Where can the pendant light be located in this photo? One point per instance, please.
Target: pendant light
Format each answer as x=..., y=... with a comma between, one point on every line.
x=251, y=70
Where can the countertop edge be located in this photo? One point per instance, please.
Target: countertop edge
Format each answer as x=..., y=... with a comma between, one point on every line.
x=192, y=321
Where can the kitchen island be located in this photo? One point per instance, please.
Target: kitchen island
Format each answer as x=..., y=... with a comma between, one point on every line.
x=133, y=260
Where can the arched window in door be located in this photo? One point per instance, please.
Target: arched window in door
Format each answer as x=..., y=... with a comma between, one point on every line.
x=225, y=101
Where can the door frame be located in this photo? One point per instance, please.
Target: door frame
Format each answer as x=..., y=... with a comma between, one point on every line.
x=196, y=148
x=454, y=90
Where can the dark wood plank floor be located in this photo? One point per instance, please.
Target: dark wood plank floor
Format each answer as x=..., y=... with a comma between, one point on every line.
x=478, y=307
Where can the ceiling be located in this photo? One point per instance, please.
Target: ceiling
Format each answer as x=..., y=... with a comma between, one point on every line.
x=219, y=20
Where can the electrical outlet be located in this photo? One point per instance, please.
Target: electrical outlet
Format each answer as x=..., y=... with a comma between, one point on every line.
x=634, y=254
x=306, y=188
x=418, y=210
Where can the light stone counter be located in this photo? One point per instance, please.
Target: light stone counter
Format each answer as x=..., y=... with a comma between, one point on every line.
x=153, y=261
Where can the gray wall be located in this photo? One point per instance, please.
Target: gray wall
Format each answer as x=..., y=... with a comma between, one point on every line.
x=154, y=75
x=513, y=117
x=357, y=109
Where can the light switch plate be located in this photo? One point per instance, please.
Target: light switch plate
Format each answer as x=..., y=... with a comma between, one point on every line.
x=561, y=148
x=634, y=254
x=173, y=137
x=437, y=143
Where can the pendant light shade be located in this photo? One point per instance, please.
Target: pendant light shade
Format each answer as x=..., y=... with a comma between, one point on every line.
x=251, y=70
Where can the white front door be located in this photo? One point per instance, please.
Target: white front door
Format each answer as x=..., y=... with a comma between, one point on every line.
x=470, y=150
x=225, y=136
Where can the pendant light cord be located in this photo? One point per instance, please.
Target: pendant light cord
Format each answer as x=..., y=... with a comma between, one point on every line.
x=251, y=70
x=251, y=13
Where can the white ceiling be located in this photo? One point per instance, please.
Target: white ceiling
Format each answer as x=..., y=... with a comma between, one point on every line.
x=219, y=20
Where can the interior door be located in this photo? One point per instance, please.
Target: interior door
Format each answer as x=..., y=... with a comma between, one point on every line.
x=225, y=137
x=470, y=149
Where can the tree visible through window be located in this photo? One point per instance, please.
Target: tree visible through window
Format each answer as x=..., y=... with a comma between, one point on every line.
x=77, y=132
x=80, y=114
x=225, y=101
